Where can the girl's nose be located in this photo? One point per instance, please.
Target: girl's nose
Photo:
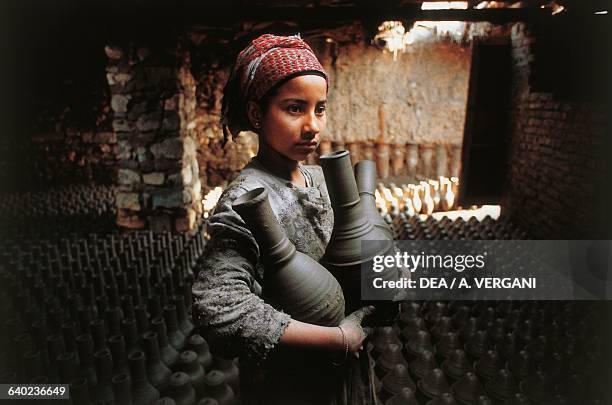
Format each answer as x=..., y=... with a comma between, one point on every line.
x=311, y=125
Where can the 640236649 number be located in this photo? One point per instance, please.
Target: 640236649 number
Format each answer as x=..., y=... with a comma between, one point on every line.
x=33, y=390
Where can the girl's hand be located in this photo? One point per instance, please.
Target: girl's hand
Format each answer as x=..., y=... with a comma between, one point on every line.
x=354, y=333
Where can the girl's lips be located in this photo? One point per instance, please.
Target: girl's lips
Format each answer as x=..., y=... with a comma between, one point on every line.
x=307, y=145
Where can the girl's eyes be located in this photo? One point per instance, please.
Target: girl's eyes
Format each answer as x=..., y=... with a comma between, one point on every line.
x=295, y=109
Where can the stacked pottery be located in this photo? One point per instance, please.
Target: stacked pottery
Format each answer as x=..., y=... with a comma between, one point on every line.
x=397, y=379
x=294, y=282
x=345, y=252
x=382, y=159
x=397, y=160
x=412, y=158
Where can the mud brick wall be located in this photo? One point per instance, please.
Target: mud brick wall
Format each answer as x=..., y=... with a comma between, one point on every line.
x=558, y=165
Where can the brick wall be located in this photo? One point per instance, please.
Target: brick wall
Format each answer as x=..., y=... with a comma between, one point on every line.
x=557, y=183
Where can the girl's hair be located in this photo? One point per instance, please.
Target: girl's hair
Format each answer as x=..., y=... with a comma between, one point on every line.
x=260, y=69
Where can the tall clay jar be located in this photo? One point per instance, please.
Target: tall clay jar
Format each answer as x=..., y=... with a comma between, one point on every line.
x=338, y=145
x=455, y=161
x=143, y=392
x=325, y=147
x=441, y=160
x=368, y=151
x=382, y=159
x=426, y=163
x=365, y=176
x=412, y=159
x=294, y=282
x=397, y=160
x=344, y=254
x=354, y=149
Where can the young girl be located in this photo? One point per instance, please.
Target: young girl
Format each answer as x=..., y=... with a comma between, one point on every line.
x=278, y=89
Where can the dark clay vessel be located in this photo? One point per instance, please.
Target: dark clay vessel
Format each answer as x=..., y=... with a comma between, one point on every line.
x=344, y=254
x=294, y=282
x=365, y=177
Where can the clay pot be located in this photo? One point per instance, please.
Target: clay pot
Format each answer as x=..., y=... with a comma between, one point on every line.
x=67, y=367
x=537, y=387
x=188, y=364
x=32, y=364
x=455, y=161
x=117, y=348
x=130, y=334
x=487, y=366
x=103, y=391
x=354, y=150
x=412, y=159
x=442, y=326
x=419, y=343
x=185, y=324
x=199, y=345
x=217, y=388
x=444, y=399
x=98, y=333
x=397, y=159
x=143, y=393
x=477, y=345
x=344, y=254
x=157, y=372
x=457, y=365
x=423, y=364
x=338, y=145
x=86, y=361
x=79, y=393
x=434, y=384
x=411, y=328
x=521, y=364
x=426, y=163
x=441, y=161
x=502, y=386
x=365, y=177
x=447, y=344
x=176, y=338
x=467, y=389
x=382, y=159
x=507, y=347
x=168, y=354
x=142, y=318
x=404, y=397
x=122, y=389
x=383, y=337
x=389, y=359
x=397, y=379
x=230, y=370
x=325, y=147
x=294, y=282
x=180, y=389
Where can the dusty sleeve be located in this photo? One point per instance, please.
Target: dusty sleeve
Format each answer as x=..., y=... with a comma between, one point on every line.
x=227, y=311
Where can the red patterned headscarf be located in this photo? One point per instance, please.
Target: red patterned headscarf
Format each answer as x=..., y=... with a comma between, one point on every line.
x=268, y=60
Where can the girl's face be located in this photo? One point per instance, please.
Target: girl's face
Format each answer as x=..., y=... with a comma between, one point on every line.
x=295, y=117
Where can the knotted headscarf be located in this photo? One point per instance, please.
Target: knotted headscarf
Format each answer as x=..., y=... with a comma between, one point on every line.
x=267, y=61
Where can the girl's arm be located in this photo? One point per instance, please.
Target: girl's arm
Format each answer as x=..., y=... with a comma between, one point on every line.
x=348, y=336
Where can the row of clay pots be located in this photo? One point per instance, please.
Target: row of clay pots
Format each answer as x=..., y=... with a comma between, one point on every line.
x=438, y=357
x=414, y=228
x=413, y=199
x=408, y=159
x=56, y=213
